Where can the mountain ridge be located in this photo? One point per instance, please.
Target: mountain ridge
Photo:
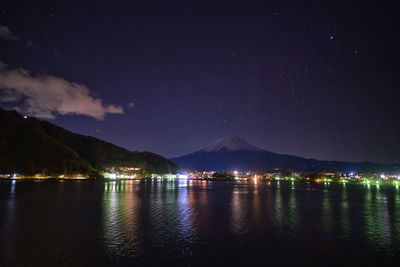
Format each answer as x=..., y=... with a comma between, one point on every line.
x=30, y=146
x=221, y=157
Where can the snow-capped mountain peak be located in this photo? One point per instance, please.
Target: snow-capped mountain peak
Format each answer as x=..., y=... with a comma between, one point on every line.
x=232, y=143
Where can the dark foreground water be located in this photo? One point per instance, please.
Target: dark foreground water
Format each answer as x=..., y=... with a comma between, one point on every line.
x=197, y=223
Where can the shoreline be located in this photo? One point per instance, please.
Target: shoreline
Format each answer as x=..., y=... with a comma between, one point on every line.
x=249, y=180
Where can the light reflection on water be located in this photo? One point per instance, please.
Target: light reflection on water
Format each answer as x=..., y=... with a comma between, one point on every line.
x=293, y=216
x=185, y=222
x=121, y=205
x=327, y=212
x=345, y=216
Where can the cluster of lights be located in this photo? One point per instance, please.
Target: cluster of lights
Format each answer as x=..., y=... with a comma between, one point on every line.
x=326, y=177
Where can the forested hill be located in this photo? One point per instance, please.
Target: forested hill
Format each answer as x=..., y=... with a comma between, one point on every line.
x=30, y=146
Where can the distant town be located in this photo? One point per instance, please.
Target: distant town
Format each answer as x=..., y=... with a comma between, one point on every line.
x=130, y=173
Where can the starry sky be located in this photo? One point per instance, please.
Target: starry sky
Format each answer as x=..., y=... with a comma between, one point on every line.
x=318, y=79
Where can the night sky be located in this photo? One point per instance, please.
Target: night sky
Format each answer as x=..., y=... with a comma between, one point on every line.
x=316, y=79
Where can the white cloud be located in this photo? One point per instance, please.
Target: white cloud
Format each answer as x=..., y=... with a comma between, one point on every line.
x=5, y=33
x=45, y=96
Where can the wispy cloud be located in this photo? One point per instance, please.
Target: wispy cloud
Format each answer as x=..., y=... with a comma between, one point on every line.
x=5, y=33
x=46, y=96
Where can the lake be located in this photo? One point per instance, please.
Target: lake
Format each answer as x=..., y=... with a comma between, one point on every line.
x=152, y=222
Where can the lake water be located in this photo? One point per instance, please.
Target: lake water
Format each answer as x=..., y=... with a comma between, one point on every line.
x=197, y=223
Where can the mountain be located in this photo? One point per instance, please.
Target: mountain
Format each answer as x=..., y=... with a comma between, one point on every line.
x=232, y=143
x=234, y=153
x=29, y=146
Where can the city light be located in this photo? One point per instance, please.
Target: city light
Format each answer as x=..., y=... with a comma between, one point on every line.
x=124, y=173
